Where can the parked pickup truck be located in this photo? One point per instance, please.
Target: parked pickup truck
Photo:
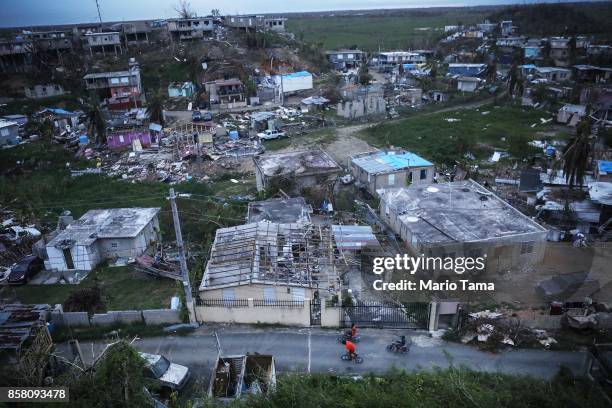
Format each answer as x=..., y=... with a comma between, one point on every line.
x=164, y=373
x=271, y=134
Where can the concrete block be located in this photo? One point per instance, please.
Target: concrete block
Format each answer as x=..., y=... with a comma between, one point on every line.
x=69, y=319
x=103, y=319
x=161, y=316
x=127, y=316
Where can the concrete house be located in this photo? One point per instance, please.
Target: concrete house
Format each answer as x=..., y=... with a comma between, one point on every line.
x=102, y=235
x=15, y=55
x=553, y=74
x=276, y=24
x=135, y=33
x=189, y=29
x=467, y=84
x=571, y=114
x=9, y=133
x=265, y=272
x=181, y=90
x=341, y=59
x=245, y=22
x=390, y=168
x=119, y=90
x=462, y=219
x=400, y=57
x=226, y=92
x=303, y=168
x=104, y=42
x=43, y=91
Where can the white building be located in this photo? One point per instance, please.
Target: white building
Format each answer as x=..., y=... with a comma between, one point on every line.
x=296, y=81
x=103, y=234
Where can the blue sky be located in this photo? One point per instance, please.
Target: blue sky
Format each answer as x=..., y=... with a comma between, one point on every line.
x=41, y=12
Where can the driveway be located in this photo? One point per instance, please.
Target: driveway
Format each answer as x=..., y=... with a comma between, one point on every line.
x=316, y=350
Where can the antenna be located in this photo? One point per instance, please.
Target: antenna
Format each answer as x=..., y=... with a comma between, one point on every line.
x=99, y=15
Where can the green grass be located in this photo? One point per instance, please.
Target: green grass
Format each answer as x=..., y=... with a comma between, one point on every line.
x=30, y=106
x=124, y=288
x=392, y=31
x=441, y=141
x=453, y=387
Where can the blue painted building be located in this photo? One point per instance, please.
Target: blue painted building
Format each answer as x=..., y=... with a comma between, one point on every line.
x=390, y=168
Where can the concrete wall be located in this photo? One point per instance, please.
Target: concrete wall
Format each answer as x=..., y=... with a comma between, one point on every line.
x=116, y=317
x=69, y=319
x=295, y=316
x=84, y=258
x=330, y=316
x=161, y=316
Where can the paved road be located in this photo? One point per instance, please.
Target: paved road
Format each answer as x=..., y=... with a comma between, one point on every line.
x=316, y=350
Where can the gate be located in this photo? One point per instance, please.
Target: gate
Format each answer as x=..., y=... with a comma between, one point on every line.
x=315, y=312
x=409, y=315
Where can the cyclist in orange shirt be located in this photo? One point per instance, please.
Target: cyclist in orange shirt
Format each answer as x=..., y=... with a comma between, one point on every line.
x=350, y=347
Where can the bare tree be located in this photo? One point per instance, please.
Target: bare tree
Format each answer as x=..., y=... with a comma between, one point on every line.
x=184, y=10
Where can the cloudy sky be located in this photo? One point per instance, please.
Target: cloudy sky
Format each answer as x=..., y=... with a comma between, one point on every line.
x=42, y=12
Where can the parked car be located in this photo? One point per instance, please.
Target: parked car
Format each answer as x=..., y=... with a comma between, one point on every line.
x=17, y=234
x=271, y=134
x=207, y=117
x=24, y=270
x=164, y=373
x=196, y=116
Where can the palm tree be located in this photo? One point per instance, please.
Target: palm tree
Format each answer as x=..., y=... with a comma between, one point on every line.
x=97, y=123
x=576, y=155
x=155, y=109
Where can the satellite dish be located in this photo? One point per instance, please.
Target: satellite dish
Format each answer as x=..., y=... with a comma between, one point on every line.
x=432, y=189
x=412, y=219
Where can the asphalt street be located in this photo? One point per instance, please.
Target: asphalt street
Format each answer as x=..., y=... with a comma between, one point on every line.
x=316, y=350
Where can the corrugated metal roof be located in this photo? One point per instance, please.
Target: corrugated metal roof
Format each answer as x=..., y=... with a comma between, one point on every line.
x=354, y=237
x=381, y=162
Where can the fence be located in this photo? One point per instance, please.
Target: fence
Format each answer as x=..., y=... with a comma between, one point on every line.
x=278, y=303
x=223, y=302
x=413, y=315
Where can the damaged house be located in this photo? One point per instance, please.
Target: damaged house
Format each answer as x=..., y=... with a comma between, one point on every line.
x=296, y=170
x=390, y=168
x=226, y=92
x=570, y=114
x=343, y=59
x=463, y=219
x=102, y=235
x=189, y=29
x=266, y=272
x=119, y=90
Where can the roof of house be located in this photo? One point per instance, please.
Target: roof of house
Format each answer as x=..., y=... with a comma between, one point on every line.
x=544, y=70
x=601, y=192
x=344, y=51
x=462, y=211
x=16, y=323
x=388, y=161
x=299, y=162
x=6, y=123
x=280, y=210
x=299, y=74
x=354, y=237
x=105, y=223
x=112, y=74
x=101, y=34
x=604, y=166
x=462, y=65
x=264, y=253
x=580, y=109
x=468, y=79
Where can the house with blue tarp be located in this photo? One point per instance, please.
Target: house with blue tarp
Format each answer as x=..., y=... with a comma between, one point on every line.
x=390, y=168
x=468, y=70
x=604, y=170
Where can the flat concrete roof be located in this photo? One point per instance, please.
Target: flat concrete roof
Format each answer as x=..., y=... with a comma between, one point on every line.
x=388, y=161
x=462, y=211
x=280, y=210
x=299, y=162
x=105, y=223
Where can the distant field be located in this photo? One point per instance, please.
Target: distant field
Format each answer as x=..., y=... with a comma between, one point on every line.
x=386, y=32
x=441, y=137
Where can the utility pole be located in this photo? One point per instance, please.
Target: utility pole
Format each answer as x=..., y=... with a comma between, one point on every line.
x=99, y=15
x=182, y=260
